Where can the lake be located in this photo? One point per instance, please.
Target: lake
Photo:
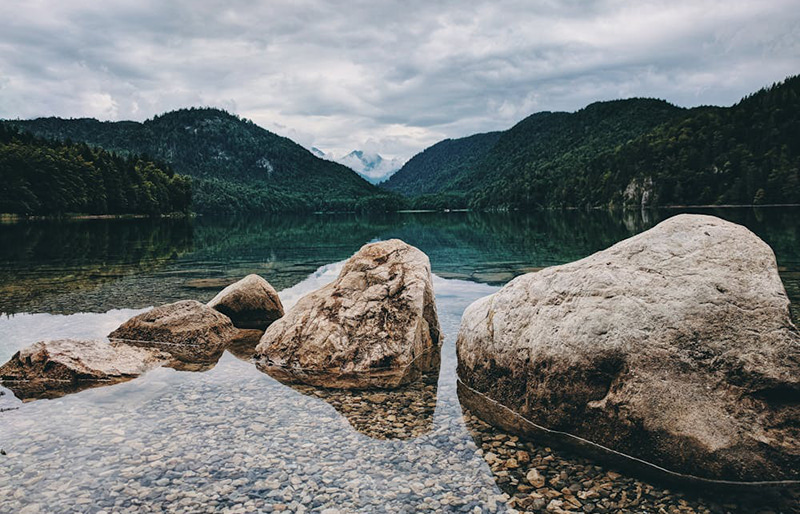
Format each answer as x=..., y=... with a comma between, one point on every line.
x=233, y=439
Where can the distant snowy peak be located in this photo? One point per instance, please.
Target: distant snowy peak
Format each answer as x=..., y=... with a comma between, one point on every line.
x=371, y=166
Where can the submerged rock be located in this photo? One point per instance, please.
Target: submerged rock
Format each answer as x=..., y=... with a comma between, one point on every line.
x=49, y=369
x=250, y=303
x=243, y=345
x=674, y=347
x=374, y=326
x=188, y=330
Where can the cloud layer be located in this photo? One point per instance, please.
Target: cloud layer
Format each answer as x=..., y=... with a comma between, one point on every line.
x=390, y=76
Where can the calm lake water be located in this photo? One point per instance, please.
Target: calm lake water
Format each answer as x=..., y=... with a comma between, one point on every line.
x=231, y=438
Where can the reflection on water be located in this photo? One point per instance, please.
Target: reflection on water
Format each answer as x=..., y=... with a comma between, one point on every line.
x=98, y=265
x=233, y=436
x=42, y=260
x=402, y=413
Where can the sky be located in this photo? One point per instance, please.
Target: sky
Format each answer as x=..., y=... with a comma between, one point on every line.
x=388, y=77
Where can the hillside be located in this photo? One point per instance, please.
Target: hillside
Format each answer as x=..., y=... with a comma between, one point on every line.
x=45, y=177
x=524, y=161
x=438, y=166
x=745, y=154
x=236, y=165
x=625, y=152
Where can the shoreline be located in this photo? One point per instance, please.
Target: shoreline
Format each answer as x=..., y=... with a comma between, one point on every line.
x=14, y=218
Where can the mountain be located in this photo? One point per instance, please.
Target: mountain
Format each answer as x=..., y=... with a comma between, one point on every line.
x=236, y=166
x=46, y=177
x=745, y=154
x=545, y=143
x=636, y=152
x=372, y=167
x=433, y=169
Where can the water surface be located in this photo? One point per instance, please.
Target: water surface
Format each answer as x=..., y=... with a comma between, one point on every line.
x=232, y=437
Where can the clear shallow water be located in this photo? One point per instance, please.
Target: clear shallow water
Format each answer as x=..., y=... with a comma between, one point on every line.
x=232, y=438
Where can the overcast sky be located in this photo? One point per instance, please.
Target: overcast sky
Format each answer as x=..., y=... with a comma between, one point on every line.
x=393, y=77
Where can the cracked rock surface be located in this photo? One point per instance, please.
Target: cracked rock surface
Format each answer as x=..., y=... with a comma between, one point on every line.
x=50, y=369
x=375, y=326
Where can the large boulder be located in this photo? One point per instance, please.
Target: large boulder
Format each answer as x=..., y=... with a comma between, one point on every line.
x=188, y=330
x=49, y=369
x=672, y=351
x=251, y=303
x=374, y=326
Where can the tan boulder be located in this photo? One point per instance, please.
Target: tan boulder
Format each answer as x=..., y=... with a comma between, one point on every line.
x=188, y=330
x=49, y=369
x=672, y=351
x=250, y=303
x=374, y=326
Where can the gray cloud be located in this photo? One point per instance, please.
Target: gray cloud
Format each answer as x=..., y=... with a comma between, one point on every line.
x=392, y=76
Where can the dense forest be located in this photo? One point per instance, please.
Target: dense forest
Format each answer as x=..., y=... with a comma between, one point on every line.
x=46, y=177
x=236, y=165
x=636, y=152
x=627, y=152
x=436, y=167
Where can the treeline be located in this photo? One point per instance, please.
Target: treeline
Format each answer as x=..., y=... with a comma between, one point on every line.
x=47, y=177
x=214, y=196
x=745, y=154
x=436, y=168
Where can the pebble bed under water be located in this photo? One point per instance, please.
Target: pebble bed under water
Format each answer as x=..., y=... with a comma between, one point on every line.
x=232, y=439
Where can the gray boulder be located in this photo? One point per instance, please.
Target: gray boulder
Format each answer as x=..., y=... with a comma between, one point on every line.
x=251, y=303
x=374, y=326
x=188, y=330
x=49, y=369
x=671, y=351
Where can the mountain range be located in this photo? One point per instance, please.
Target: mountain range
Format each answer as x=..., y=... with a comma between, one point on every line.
x=235, y=165
x=370, y=165
x=636, y=152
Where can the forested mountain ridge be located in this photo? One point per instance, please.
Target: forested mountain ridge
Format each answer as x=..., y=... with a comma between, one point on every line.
x=636, y=152
x=48, y=177
x=745, y=154
x=433, y=169
x=626, y=152
x=236, y=165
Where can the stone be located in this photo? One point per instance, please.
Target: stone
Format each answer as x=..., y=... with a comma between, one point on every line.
x=535, y=478
x=674, y=347
x=375, y=326
x=250, y=303
x=49, y=369
x=188, y=330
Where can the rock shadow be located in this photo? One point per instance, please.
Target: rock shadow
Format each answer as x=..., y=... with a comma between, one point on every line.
x=402, y=413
